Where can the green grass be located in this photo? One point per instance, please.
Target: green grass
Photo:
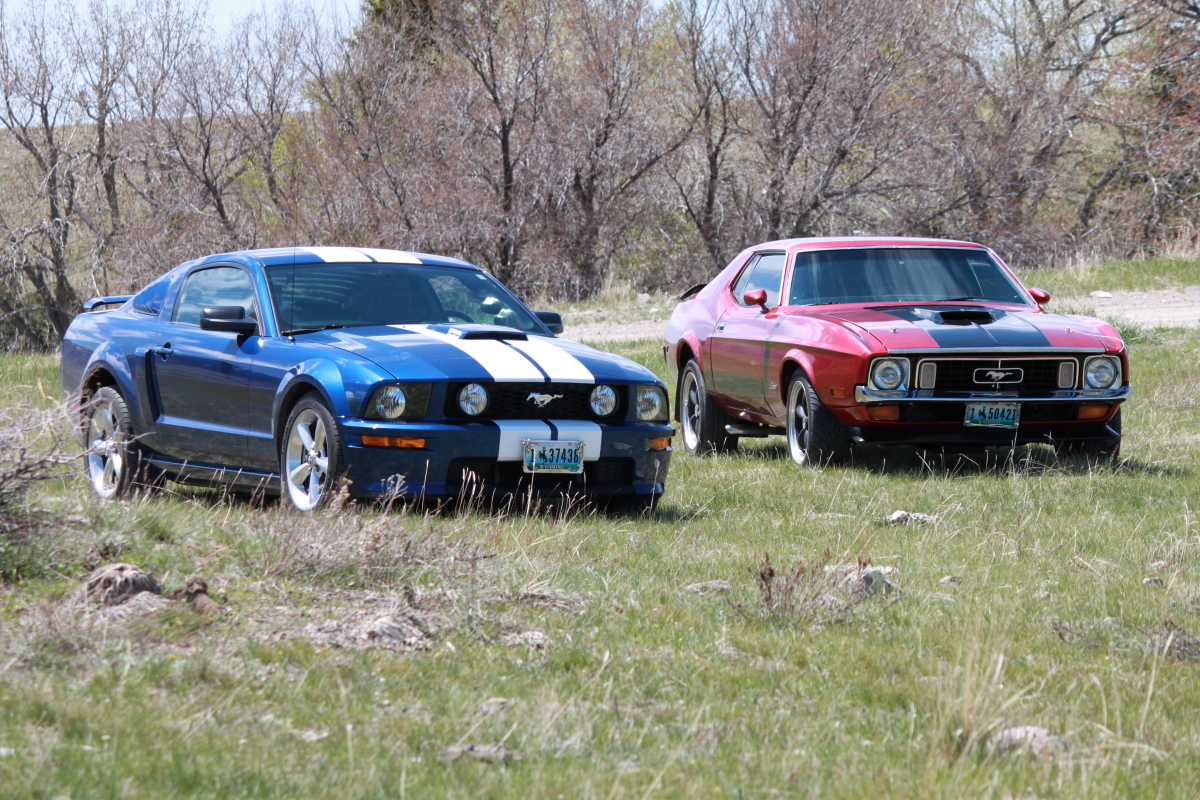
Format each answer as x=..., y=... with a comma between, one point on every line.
x=647, y=690
x=1091, y=276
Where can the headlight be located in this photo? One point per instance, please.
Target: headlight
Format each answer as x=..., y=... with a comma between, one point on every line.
x=603, y=401
x=392, y=402
x=389, y=402
x=1102, y=372
x=472, y=399
x=890, y=374
x=650, y=403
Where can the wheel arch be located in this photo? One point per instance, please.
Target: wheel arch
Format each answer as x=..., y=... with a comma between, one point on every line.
x=794, y=360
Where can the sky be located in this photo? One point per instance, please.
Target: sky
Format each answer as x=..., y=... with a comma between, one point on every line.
x=225, y=13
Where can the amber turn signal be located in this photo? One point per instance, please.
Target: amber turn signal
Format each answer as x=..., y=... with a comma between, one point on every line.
x=884, y=413
x=1092, y=411
x=405, y=442
x=658, y=443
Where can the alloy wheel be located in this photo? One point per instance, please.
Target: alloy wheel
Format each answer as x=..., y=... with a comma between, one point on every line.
x=307, y=460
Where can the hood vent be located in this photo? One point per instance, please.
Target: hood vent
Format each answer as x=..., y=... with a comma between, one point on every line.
x=958, y=316
x=478, y=331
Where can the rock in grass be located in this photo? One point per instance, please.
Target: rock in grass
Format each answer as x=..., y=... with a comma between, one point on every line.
x=534, y=639
x=951, y=580
x=1158, y=566
x=1152, y=582
x=491, y=753
x=707, y=587
x=1101, y=294
x=910, y=518
x=113, y=584
x=1028, y=739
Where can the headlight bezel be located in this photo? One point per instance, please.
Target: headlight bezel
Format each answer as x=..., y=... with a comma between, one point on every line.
x=903, y=366
x=415, y=406
x=613, y=399
x=656, y=413
x=1113, y=361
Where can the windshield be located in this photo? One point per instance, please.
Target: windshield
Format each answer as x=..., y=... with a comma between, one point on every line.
x=899, y=274
x=312, y=297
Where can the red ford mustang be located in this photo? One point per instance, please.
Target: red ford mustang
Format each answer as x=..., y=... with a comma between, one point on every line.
x=840, y=341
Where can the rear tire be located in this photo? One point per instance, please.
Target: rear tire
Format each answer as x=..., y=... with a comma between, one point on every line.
x=310, y=455
x=112, y=457
x=701, y=419
x=814, y=435
x=1093, y=449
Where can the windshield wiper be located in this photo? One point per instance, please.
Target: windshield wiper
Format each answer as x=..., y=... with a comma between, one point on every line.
x=952, y=299
x=311, y=330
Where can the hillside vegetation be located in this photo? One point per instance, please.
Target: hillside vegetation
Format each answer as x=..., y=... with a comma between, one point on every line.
x=558, y=652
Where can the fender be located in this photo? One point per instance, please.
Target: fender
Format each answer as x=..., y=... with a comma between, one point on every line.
x=109, y=358
x=321, y=375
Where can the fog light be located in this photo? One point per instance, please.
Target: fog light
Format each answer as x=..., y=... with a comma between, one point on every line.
x=403, y=442
x=1092, y=411
x=884, y=413
x=472, y=399
x=658, y=443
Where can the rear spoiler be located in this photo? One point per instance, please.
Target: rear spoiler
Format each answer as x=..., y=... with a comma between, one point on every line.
x=692, y=291
x=110, y=300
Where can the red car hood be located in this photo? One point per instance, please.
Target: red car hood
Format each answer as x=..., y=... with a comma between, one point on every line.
x=930, y=327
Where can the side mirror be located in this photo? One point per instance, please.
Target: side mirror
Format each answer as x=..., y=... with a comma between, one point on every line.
x=1040, y=295
x=227, y=318
x=551, y=319
x=756, y=297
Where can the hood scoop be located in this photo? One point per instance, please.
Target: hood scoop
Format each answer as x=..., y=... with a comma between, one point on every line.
x=948, y=316
x=476, y=330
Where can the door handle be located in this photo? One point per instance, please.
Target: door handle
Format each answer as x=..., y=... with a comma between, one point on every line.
x=720, y=327
x=163, y=352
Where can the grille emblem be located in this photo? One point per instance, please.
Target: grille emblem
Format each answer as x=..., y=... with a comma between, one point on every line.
x=999, y=375
x=542, y=400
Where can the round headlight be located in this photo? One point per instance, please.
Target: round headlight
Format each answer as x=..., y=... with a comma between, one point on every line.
x=603, y=400
x=1102, y=372
x=650, y=403
x=472, y=399
x=389, y=402
x=889, y=373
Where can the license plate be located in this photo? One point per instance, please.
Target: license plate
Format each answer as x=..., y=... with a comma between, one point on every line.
x=552, y=456
x=993, y=415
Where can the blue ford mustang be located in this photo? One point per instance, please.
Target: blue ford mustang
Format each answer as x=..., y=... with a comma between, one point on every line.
x=285, y=370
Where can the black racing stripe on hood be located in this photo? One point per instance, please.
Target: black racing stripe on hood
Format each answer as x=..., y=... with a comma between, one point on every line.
x=1005, y=331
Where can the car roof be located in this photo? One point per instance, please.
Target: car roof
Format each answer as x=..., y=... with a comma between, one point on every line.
x=829, y=242
x=275, y=256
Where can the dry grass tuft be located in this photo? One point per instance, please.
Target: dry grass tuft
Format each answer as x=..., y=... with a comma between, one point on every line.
x=817, y=592
x=34, y=447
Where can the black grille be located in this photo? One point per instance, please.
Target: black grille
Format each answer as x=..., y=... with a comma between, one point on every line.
x=1040, y=376
x=467, y=474
x=512, y=401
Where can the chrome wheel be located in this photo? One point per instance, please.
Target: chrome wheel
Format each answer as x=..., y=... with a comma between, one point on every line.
x=689, y=413
x=106, y=450
x=306, y=461
x=799, y=424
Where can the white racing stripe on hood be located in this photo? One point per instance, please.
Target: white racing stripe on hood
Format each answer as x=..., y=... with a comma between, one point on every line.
x=390, y=256
x=514, y=432
x=504, y=364
x=338, y=254
x=561, y=366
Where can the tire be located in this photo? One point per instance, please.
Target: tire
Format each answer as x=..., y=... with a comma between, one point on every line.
x=1093, y=449
x=702, y=421
x=814, y=435
x=112, y=457
x=310, y=455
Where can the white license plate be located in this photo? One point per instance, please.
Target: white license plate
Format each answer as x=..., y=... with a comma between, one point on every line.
x=550, y=456
x=993, y=415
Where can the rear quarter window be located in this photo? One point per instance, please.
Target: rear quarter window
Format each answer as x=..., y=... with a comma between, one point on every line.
x=150, y=300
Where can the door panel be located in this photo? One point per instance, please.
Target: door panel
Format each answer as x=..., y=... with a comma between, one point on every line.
x=738, y=346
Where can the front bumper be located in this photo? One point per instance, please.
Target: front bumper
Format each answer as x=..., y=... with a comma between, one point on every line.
x=926, y=419
x=485, y=457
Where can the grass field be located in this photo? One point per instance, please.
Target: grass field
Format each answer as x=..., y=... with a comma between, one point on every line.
x=643, y=689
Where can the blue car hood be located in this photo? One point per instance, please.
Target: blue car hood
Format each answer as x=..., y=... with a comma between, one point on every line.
x=481, y=353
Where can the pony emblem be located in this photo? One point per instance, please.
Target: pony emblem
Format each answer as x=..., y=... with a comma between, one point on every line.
x=542, y=400
x=997, y=376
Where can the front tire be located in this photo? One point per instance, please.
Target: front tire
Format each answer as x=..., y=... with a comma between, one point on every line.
x=112, y=458
x=701, y=419
x=814, y=434
x=310, y=458
x=1093, y=449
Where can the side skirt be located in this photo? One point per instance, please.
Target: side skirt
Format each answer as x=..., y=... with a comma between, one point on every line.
x=199, y=474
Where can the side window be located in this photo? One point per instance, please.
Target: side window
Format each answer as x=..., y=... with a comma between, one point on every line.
x=218, y=286
x=150, y=299
x=766, y=273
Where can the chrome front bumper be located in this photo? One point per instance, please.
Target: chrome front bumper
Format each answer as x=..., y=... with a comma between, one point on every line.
x=862, y=394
